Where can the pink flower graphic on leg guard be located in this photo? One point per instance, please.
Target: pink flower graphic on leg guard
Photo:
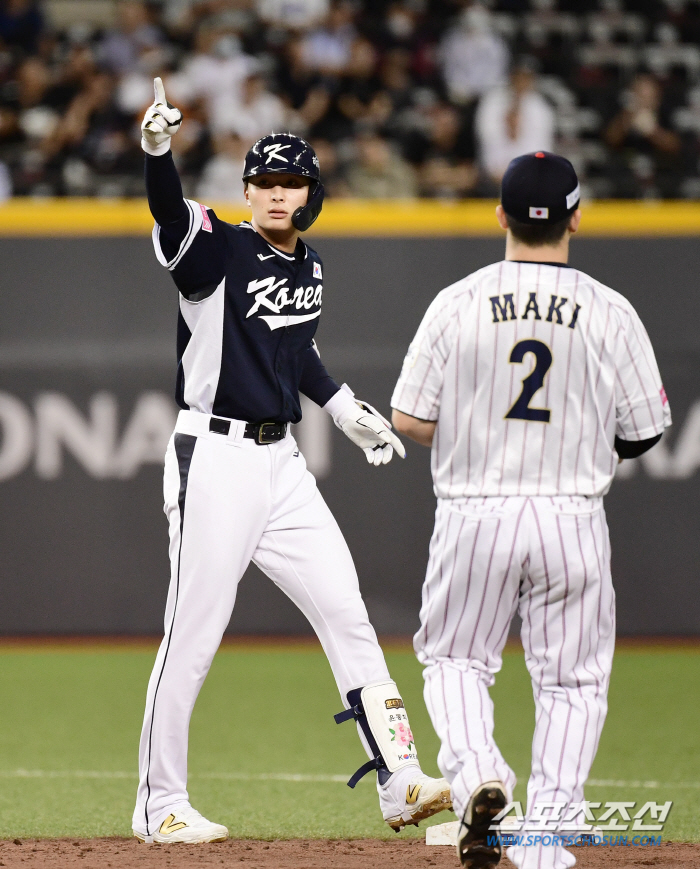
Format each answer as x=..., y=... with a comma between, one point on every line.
x=402, y=735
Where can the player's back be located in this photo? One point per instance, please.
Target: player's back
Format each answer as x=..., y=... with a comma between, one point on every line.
x=530, y=370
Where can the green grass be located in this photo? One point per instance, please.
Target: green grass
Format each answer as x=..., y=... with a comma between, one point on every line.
x=67, y=711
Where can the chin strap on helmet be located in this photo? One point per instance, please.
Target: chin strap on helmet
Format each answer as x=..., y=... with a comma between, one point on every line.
x=305, y=215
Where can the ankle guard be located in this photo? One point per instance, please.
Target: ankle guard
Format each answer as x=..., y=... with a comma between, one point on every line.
x=379, y=710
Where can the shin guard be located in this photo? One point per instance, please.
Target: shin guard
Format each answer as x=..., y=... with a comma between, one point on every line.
x=379, y=710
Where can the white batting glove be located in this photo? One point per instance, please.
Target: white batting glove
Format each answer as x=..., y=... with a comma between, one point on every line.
x=160, y=123
x=365, y=427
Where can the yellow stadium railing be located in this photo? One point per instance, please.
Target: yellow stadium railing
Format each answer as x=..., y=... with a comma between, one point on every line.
x=348, y=218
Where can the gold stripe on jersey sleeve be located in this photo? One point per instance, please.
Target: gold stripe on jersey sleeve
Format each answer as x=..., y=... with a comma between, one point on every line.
x=348, y=218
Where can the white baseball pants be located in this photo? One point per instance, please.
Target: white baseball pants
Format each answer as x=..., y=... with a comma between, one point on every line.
x=549, y=558
x=229, y=501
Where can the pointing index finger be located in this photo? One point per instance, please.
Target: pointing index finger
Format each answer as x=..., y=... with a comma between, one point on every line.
x=159, y=91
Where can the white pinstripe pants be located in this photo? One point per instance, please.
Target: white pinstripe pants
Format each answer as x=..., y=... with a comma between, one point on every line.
x=549, y=558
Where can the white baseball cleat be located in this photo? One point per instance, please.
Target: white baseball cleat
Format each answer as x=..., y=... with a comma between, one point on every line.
x=185, y=826
x=413, y=798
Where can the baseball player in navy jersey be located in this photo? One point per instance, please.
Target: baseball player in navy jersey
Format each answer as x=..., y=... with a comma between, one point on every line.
x=236, y=486
x=530, y=380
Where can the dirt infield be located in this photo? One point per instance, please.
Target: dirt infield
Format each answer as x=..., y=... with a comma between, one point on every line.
x=299, y=854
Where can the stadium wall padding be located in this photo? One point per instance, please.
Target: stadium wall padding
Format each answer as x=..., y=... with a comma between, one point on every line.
x=87, y=365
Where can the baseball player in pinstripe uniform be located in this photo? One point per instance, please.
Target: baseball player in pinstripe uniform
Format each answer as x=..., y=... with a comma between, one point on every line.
x=530, y=380
x=236, y=486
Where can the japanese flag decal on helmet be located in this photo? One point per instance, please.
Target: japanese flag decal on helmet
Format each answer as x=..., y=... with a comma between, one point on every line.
x=292, y=155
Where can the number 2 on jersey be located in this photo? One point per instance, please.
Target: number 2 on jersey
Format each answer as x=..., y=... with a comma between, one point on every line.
x=533, y=382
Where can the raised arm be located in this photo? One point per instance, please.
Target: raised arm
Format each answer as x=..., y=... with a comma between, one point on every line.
x=188, y=237
x=163, y=186
x=166, y=202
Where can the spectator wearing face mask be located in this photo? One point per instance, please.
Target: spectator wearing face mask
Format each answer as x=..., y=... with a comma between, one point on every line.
x=400, y=25
x=328, y=48
x=214, y=74
x=512, y=120
x=473, y=58
x=258, y=112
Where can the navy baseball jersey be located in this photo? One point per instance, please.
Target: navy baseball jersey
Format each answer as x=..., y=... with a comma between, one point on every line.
x=248, y=312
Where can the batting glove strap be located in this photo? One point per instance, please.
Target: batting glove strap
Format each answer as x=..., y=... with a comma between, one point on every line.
x=155, y=150
x=341, y=404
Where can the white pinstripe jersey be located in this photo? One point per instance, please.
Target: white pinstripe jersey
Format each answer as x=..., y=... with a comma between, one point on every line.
x=530, y=371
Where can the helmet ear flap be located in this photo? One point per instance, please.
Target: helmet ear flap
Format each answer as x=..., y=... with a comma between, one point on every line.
x=305, y=215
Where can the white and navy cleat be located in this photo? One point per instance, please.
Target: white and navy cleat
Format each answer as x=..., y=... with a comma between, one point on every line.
x=421, y=797
x=185, y=826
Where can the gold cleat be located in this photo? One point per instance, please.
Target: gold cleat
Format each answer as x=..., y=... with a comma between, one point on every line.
x=425, y=797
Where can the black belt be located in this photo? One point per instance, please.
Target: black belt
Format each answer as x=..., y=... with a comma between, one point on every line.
x=261, y=432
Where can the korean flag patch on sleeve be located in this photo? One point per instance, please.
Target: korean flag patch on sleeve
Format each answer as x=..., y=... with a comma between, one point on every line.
x=317, y=271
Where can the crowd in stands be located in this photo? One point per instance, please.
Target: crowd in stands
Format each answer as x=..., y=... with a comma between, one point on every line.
x=400, y=98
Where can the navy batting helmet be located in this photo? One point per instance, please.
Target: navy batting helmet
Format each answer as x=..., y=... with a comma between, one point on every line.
x=285, y=153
